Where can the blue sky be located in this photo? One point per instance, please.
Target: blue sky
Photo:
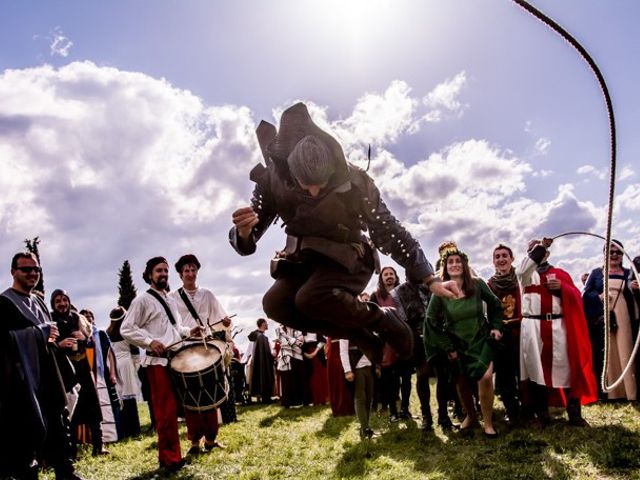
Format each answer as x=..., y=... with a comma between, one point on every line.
x=126, y=128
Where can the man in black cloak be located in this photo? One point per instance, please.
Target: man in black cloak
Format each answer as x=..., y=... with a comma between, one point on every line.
x=326, y=204
x=75, y=331
x=33, y=418
x=262, y=373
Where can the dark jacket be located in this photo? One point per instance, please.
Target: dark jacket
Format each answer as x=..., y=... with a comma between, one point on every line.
x=332, y=224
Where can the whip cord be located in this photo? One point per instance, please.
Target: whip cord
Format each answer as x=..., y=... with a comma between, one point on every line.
x=612, y=179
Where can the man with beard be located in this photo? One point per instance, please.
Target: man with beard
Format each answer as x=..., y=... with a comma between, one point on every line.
x=326, y=204
x=261, y=374
x=394, y=375
x=154, y=323
x=199, y=306
x=33, y=418
x=75, y=330
x=555, y=351
x=504, y=284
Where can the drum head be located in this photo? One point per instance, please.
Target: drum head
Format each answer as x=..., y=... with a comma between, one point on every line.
x=194, y=358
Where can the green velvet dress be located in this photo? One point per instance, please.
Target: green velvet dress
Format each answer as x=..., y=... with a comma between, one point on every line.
x=460, y=325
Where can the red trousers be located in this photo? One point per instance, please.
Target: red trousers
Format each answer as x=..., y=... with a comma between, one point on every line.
x=165, y=412
x=201, y=424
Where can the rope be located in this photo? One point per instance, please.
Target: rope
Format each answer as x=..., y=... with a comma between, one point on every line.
x=612, y=173
x=636, y=345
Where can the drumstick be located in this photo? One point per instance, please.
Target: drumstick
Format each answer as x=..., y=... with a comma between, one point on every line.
x=179, y=341
x=222, y=320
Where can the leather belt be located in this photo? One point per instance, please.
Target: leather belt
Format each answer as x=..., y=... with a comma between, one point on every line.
x=155, y=355
x=546, y=316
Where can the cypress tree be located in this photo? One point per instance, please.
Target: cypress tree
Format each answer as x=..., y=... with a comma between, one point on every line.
x=126, y=289
x=32, y=247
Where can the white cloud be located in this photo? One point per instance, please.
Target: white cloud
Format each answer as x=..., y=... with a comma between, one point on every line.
x=445, y=97
x=591, y=171
x=106, y=165
x=60, y=43
x=630, y=198
x=381, y=119
x=542, y=145
x=626, y=172
x=543, y=173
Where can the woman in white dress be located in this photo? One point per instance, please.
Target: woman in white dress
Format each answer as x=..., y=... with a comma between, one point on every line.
x=128, y=383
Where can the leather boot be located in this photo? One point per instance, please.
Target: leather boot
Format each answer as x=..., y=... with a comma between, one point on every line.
x=574, y=410
x=394, y=331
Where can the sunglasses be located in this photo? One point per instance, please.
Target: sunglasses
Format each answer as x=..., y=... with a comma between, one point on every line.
x=615, y=253
x=29, y=269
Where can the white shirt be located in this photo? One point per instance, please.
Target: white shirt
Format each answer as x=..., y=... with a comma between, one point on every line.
x=206, y=306
x=147, y=320
x=344, y=357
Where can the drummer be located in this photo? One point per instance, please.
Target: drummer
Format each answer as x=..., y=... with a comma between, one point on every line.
x=154, y=323
x=191, y=300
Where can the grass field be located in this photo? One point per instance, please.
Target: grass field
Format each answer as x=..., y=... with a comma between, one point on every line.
x=269, y=442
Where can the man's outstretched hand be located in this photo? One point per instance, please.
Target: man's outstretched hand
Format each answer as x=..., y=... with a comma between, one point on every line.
x=244, y=220
x=445, y=289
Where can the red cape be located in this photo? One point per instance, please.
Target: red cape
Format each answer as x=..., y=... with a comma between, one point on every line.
x=583, y=381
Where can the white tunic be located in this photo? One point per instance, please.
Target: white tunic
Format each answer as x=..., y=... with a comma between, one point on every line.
x=206, y=306
x=533, y=333
x=147, y=320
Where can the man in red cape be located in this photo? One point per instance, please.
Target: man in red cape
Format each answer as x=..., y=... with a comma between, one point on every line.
x=555, y=350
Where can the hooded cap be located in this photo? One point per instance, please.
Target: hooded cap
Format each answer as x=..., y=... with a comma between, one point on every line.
x=55, y=293
x=295, y=124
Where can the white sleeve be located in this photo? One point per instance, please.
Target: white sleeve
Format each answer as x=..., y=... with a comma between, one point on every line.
x=344, y=355
x=133, y=326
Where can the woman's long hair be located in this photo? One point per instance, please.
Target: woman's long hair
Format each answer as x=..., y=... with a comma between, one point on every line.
x=468, y=282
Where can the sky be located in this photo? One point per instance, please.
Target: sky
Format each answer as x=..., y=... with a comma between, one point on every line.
x=127, y=128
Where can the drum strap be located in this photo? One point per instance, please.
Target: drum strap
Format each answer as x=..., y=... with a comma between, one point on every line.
x=157, y=296
x=187, y=302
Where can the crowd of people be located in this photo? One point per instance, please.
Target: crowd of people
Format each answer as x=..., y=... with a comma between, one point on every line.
x=65, y=382
x=528, y=334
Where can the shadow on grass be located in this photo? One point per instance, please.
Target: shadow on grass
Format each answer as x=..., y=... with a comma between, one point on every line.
x=333, y=427
x=521, y=453
x=289, y=414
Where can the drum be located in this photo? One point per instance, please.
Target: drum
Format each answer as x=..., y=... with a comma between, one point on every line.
x=198, y=375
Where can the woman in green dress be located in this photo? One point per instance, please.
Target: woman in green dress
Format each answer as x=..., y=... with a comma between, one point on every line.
x=458, y=329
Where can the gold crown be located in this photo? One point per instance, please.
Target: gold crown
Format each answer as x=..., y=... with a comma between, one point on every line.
x=447, y=251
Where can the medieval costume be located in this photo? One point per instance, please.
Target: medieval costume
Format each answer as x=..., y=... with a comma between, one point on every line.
x=98, y=353
x=201, y=307
x=507, y=352
x=395, y=376
x=87, y=410
x=623, y=329
x=33, y=418
x=412, y=301
x=262, y=375
x=460, y=325
x=146, y=321
x=555, y=351
x=327, y=261
x=354, y=361
x=340, y=391
x=128, y=383
x=315, y=364
x=290, y=366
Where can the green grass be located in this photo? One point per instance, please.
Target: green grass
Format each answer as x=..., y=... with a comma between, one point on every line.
x=270, y=442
